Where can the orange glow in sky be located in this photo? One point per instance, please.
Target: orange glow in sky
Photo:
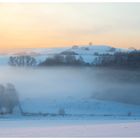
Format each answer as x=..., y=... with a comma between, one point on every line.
x=59, y=25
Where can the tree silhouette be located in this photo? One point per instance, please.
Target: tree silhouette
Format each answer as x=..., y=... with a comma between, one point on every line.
x=22, y=61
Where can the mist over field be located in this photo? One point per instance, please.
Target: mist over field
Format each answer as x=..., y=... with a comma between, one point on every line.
x=73, y=82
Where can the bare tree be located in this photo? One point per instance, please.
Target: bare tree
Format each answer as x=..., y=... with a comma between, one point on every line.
x=22, y=61
x=9, y=99
x=2, y=91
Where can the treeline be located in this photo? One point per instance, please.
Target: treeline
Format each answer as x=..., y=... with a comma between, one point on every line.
x=118, y=59
x=122, y=60
x=58, y=59
x=63, y=60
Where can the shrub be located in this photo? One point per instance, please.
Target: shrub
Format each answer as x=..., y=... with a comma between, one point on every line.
x=61, y=112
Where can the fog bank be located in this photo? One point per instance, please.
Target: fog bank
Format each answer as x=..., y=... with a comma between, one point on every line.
x=74, y=82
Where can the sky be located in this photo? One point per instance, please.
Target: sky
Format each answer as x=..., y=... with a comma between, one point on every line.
x=39, y=25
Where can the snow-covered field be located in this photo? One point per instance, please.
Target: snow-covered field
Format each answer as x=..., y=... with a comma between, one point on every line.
x=64, y=127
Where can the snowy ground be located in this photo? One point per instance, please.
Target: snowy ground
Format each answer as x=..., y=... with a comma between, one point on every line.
x=70, y=127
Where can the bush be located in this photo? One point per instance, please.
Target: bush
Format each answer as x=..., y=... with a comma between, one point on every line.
x=61, y=112
x=129, y=114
